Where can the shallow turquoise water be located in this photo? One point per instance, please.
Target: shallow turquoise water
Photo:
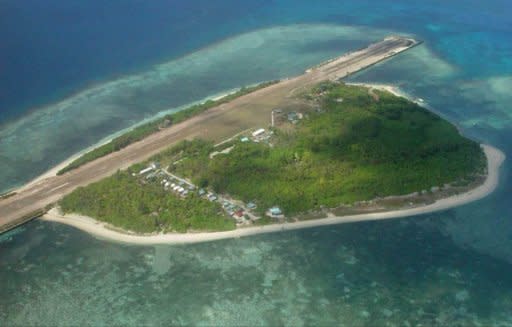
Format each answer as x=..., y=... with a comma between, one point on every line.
x=450, y=268
x=392, y=273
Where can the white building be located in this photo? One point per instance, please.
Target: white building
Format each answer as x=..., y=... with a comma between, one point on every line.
x=145, y=170
x=258, y=132
x=275, y=212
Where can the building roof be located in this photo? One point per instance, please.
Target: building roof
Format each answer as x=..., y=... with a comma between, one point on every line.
x=251, y=205
x=292, y=115
x=145, y=170
x=258, y=132
x=275, y=211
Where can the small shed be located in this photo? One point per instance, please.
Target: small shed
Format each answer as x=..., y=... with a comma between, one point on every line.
x=146, y=170
x=292, y=116
x=258, y=132
x=275, y=211
x=251, y=205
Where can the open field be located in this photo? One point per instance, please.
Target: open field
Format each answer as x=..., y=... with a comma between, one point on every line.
x=251, y=110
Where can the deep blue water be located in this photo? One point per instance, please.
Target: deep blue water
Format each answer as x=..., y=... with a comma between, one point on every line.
x=50, y=49
x=449, y=268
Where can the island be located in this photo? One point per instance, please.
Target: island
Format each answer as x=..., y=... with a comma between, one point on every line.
x=298, y=152
x=335, y=150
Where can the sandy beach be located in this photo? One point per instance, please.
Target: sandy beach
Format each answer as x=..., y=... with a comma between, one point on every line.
x=100, y=230
x=395, y=90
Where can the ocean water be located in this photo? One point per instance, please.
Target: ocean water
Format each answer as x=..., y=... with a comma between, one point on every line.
x=352, y=276
x=66, y=89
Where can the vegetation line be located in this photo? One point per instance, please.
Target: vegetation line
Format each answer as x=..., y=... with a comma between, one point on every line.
x=7, y=195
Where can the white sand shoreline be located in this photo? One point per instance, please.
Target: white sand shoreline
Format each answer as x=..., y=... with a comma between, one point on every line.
x=395, y=90
x=495, y=159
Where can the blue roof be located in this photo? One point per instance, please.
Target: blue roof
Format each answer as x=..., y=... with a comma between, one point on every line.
x=275, y=211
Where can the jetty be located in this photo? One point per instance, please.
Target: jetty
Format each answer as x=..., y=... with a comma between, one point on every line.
x=218, y=123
